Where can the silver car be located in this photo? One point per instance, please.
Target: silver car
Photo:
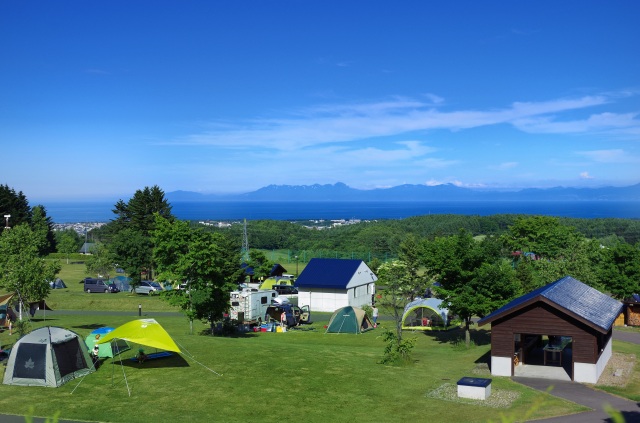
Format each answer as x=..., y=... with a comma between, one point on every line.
x=147, y=287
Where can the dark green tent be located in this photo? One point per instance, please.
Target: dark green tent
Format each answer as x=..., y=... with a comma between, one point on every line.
x=349, y=320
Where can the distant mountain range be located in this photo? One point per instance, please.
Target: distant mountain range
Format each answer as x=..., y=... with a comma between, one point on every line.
x=446, y=192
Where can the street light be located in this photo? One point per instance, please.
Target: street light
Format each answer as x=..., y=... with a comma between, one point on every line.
x=296, y=257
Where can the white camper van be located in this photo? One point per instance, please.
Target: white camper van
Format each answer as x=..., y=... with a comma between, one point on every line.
x=250, y=307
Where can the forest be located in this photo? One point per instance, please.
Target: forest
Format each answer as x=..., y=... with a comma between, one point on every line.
x=475, y=263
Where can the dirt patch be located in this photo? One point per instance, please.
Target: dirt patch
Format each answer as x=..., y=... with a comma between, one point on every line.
x=618, y=371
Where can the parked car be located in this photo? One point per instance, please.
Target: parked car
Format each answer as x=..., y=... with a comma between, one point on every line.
x=95, y=285
x=113, y=288
x=285, y=289
x=294, y=315
x=147, y=287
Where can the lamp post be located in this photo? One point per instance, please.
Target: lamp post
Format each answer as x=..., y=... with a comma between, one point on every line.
x=6, y=219
x=296, y=257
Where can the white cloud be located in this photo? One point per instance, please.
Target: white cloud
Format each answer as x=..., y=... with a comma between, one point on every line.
x=505, y=166
x=610, y=156
x=618, y=123
x=346, y=123
x=585, y=175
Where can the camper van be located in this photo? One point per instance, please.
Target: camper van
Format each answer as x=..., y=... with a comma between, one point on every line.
x=96, y=285
x=250, y=307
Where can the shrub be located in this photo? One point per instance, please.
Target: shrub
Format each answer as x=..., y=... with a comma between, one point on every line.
x=396, y=352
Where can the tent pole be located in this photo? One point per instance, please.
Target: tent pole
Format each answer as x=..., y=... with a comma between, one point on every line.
x=192, y=358
x=123, y=373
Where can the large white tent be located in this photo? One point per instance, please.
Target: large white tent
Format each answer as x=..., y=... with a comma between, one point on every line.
x=49, y=356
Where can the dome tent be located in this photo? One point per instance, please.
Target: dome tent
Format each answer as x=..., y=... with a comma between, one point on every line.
x=424, y=314
x=123, y=283
x=49, y=356
x=349, y=320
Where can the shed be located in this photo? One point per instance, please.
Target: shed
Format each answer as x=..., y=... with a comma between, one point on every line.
x=632, y=311
x=329, y=284
x=277, y=270
x=565, y=324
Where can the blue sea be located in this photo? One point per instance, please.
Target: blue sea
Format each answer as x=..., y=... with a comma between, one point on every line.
x=72, y=212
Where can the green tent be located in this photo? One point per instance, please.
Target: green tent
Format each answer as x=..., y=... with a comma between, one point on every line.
x=106, y=350
x=349, y=320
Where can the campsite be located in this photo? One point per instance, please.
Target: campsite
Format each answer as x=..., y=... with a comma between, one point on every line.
x=307, y=373
x=299, y=374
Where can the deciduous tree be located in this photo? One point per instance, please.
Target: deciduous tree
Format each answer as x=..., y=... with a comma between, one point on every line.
x=22, y=270
x=101, y=261
x=620, y=272
x=473, y=278
x=68, y=242
x=208, y=262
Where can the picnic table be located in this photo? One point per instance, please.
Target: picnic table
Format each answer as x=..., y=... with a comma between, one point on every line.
x=554, y=348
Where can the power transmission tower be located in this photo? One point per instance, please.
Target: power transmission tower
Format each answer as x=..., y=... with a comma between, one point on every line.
x=245, y=244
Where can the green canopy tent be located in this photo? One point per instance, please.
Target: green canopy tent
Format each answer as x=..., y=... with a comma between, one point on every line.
x=349, y=320
x=425, y=314
x=146, y=332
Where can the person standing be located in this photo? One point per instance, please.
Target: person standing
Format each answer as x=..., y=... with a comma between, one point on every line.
x=374, y=314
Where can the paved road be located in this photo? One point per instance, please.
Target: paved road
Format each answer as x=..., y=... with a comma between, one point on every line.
x=584, y=395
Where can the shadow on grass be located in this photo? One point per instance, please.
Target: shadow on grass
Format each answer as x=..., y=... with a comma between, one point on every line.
x=455, y=336
x=37, y=320
x=175, y=360
x=484, y=358
x=90, y=326
x=237, y=334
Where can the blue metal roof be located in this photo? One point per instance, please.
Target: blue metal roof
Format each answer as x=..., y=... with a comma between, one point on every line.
x=327, y=273
x=573, y=296
x=277, y=270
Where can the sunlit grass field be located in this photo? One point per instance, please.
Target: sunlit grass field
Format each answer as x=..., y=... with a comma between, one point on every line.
x=297, y=375
x=267, y=377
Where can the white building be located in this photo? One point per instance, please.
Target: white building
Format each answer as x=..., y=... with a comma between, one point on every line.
x=329, y=284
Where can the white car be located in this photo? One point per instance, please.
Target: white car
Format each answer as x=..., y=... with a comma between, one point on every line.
x=147, y=287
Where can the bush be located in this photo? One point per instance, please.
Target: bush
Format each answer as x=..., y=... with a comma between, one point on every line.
x=397, y=351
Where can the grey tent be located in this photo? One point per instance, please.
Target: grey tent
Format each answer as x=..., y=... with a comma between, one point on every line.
x=49, y=356
x=57, y=284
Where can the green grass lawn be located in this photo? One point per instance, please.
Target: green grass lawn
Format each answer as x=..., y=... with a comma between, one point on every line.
x=298, y=375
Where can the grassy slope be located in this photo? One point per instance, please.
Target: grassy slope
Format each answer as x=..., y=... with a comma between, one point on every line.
x=270, y=377
x=267, y=376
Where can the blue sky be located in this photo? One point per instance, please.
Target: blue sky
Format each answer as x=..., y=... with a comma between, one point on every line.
x=101, y=98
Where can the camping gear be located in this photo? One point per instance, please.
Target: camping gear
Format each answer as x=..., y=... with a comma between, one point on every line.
x=424, y=314
x=349, y=320
x=49, y=356
x=153, y=356
x=106, y=350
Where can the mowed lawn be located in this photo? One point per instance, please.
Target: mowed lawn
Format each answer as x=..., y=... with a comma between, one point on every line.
x=299, y=375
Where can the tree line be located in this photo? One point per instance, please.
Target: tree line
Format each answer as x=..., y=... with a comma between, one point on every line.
x=474, y=263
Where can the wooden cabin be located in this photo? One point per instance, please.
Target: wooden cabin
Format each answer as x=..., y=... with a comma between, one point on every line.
x=564, y=320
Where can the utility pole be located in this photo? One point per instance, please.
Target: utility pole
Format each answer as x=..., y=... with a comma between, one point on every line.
x=245, y=244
